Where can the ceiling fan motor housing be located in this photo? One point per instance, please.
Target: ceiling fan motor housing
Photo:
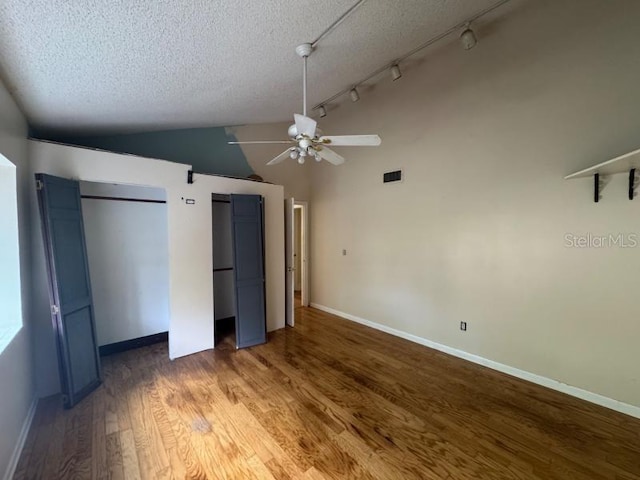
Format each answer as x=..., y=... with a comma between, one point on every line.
x=293, y=132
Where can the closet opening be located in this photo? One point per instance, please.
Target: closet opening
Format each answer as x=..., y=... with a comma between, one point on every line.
x=224, y=299
x=239, y=302
x=126, y=232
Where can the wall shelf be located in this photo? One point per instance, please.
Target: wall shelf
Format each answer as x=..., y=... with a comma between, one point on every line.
x=627, y=163
x=621, y=164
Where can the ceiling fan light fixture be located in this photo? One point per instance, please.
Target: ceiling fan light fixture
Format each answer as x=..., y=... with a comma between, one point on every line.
x=293, y=154
x=468, y=38
x=300, y=159
x=395, y=72
x=323, y=111
x=353, y=93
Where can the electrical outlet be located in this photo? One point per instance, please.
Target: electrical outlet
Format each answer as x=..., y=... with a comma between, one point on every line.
x=463, y=326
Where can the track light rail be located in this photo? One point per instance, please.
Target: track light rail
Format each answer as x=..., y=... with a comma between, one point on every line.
x=412, y=52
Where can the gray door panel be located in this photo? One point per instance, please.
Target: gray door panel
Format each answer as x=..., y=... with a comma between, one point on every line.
x=248, y=256
x=69, y=287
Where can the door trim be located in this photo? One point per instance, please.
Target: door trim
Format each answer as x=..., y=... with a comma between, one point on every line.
x=304, y=247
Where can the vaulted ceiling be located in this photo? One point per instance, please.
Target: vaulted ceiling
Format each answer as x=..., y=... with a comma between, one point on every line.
x=123, y=66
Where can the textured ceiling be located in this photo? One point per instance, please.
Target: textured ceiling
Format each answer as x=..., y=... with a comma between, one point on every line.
x=123, y=66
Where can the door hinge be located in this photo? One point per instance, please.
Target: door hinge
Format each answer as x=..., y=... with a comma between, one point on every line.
x=39, y=185
x=54, y=310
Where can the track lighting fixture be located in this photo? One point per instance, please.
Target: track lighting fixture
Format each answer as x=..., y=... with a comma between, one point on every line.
x=395, y=72
x=323, y=111
x=468, y=41
x=468, y=38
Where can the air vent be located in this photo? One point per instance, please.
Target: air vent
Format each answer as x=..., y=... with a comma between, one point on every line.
x=395, y=176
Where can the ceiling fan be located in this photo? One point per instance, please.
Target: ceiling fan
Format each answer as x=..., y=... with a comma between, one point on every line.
x=306, y=139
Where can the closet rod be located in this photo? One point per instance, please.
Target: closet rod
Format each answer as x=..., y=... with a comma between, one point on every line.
x=122, y=199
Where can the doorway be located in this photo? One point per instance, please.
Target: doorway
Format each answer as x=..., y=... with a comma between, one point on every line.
x=296, y=258
x=301, y=254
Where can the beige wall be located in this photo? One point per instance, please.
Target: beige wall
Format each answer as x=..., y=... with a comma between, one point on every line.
x=476, y=232
x=16, y=359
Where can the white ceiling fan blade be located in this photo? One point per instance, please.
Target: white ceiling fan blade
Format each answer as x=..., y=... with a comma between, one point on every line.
x=352, y=140
x=331, y=156
x=280, y=157
x=305, y=125
x=259, y=142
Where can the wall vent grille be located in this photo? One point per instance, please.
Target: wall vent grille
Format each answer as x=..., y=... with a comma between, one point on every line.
x=395, y=176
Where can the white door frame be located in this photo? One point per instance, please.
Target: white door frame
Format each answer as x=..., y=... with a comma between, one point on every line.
x=304, y=249
x=289, y=242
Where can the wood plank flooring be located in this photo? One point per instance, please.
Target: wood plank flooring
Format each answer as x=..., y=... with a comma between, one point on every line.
x=326, y=399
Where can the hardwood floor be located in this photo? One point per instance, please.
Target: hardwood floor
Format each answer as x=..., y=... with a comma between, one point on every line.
x=326, y=399
x=297, y=298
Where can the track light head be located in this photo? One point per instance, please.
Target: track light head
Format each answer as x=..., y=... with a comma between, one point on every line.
x=323, y=111
x=468, y=38
x=395, y=72
x=355, y=96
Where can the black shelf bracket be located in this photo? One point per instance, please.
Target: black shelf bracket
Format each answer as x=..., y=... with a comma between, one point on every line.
x=596, y=187
x=632, y=183
x=190, y=177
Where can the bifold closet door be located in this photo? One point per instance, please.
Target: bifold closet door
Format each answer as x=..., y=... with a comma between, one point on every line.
x=248, y=268
x=72, y=311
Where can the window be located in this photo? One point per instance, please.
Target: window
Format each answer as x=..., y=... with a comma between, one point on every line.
x=10, y=298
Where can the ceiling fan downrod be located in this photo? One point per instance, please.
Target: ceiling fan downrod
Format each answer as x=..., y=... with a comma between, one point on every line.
x=304, y=50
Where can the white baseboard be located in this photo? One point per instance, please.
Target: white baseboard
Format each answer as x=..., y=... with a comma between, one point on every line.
x=601, y=400
x=22, y=438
